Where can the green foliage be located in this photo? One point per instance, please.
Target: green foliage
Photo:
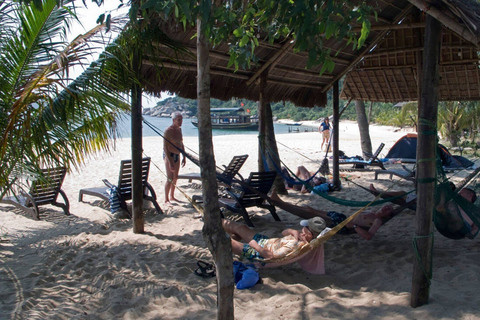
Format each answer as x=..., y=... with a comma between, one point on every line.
x=47, y=119
x=242, y=23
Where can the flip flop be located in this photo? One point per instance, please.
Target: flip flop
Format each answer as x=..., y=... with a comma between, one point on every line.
x=205, y=270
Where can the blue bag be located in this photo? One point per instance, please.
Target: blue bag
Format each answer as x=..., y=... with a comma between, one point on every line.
x=246, y=276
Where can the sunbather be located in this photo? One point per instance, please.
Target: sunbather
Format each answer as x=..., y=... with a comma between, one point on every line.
x=256, y=246
x=365, y=224
x=302, y=174
x=448, y=225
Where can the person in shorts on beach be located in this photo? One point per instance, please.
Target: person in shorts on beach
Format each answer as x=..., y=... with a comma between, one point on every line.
x=172, y=148
x=255, y=246
x=324, y=129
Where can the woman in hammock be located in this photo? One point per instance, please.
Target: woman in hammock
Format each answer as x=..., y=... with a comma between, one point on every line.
x=365, y=224
x=302, y=174
x=254, y=246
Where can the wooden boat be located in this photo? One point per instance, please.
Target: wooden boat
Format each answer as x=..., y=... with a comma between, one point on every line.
x=230, y=119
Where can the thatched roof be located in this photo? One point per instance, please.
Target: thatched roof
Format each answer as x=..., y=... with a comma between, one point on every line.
x=289, y=80
x=391, y=72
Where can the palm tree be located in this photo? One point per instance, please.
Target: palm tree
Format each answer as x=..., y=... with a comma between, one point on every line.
x=46, y=118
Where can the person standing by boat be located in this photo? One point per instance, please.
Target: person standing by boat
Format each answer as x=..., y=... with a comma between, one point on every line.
x=324, y=129
x=172, y=147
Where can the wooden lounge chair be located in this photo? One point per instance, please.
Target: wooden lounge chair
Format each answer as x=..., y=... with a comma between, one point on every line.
x=125, y=186
x=373, y=161
x=253, y=194
x=226, y=176
x=404, y=173
x=42, y=193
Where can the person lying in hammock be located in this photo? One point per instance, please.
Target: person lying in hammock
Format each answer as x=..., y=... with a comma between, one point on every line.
x=448, y=220
x=365, y=224
x=303, y=174
x=254, y=246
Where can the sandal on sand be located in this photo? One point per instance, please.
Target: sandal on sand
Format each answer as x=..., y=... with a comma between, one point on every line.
x=205, y=270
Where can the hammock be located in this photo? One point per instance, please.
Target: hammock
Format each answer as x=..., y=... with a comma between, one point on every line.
x=450, y=223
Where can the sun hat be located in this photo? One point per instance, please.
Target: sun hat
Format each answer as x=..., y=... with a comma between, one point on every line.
x=315, y=224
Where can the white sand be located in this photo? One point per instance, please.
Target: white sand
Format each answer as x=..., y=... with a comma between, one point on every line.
x=90, y=266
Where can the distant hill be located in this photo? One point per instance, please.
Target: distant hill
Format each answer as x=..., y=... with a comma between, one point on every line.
x=280, y=110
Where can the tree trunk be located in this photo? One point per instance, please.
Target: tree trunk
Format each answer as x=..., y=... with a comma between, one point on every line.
x=137, y=150
x=336, y=119
x=262, y=128
x=215, y=237
x=363, y=127
x=426, y=163
x=271, y=144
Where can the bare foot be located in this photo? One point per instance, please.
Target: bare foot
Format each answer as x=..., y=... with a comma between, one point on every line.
x=168, y=203
x=175, y=199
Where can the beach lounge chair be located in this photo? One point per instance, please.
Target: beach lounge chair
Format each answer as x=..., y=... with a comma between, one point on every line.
x=360, y=164
x=124, y=186
x=42, y=193
x=252, y=194
x=226, y=176
x=404, y=173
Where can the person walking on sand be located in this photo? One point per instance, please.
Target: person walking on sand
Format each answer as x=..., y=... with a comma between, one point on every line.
x=324, y=129
x=172, y=147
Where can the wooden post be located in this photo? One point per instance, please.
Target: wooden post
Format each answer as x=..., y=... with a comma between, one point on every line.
x=426, y=164
x=213, y=233
x=262, y=128
x=137, y=150
x=271, y=143
x=336, y=120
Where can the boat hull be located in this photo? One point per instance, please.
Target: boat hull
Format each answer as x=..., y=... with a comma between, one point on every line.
x=232, y=126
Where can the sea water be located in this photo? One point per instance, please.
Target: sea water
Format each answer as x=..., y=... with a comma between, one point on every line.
x=188, y=129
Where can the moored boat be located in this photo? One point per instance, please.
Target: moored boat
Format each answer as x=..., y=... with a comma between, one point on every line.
x=230, y=119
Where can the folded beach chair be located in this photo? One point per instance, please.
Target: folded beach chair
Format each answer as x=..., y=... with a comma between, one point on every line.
x=225, y=176
x=360, y=164
x=42, y=193
x=124, y=186
x=253, y=193
x=404, y=173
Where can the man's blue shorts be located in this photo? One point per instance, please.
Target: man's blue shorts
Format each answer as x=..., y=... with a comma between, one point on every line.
x=250, y=253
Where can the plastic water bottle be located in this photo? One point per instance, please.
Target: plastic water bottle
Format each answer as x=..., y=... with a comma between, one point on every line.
x=249, y=279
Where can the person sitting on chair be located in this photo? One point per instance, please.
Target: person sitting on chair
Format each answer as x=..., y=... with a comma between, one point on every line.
x=365, y=224
x=254, y=246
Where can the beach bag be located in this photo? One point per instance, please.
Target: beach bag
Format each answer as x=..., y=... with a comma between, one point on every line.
x=246, y=275
x=114, y=200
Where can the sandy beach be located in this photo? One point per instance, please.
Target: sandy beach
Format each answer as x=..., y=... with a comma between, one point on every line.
x=90, y=265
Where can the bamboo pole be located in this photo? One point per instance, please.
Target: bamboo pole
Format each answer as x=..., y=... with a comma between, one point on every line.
x=426, y=164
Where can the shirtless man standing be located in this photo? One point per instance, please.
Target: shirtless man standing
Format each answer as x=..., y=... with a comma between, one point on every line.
x=172, y=144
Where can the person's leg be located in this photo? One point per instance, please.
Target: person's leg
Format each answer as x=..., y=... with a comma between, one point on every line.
x=238, y=230
x=237, y=247
x=174, y=180
x=305, y=212
x=168, y=183
x=389, y=194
